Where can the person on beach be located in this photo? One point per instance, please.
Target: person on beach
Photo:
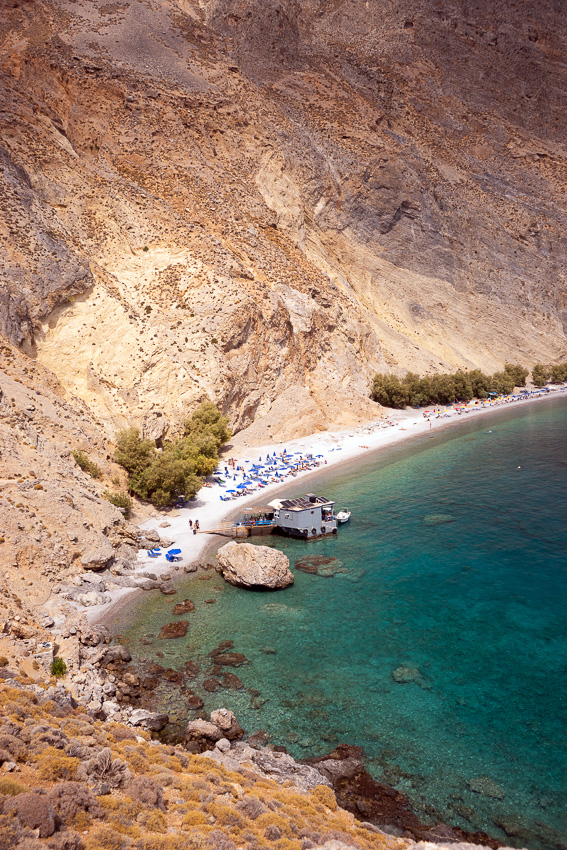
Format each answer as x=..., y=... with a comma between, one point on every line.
x=197, y=526
x=190, y=523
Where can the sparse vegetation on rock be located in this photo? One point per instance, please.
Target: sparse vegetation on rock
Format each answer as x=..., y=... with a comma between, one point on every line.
x=58, y=668
x=87, y=465
x=120, y=500
x=132, y=793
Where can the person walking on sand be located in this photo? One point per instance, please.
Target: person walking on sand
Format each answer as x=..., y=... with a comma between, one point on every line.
x=197, y=526
x=190, y=523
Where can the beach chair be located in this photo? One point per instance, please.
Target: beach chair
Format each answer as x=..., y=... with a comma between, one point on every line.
x=151, y=554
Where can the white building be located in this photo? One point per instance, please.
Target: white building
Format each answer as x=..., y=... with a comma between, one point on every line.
x=307, y=517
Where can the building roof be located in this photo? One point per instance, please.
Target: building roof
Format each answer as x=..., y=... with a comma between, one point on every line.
x=305, y=503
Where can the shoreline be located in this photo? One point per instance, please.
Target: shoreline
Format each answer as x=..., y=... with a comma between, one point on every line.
x=339, y=449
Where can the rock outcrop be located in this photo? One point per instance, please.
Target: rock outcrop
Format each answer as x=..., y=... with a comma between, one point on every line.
x=233, y=201
x=246, y=565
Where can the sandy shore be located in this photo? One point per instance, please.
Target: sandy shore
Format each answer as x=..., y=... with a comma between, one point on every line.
x=336, y=448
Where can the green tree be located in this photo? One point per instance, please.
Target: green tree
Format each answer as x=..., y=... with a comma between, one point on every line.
x=58, y=668
x=207, y=421
x=518, y=373
x=502, y=383
x=443, y=388
x=559, y=373
x=540, y=374
x=133, y=453
x=181, y=466
x=392, y=388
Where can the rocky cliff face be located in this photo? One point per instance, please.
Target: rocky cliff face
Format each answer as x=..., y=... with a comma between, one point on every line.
x=266, y=202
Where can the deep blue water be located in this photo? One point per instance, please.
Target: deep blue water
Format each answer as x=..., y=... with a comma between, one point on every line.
x=452, y=568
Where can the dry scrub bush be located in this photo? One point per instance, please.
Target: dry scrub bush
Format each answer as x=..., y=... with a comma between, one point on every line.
x=118, y=732
x=272, y=819
x=136, y=759
x=105, y=838
x=225, y=814
x=52, y=765
x=171, y=842
x=127, y=808
x=9, y=788
x=152, y=821
x=193, y=818
x=146, y=790
x=326, y=796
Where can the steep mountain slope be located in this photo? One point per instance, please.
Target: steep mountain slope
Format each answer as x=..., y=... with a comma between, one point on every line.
x=266, y=202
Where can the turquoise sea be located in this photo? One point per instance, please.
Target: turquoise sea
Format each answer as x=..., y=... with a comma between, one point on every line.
x=439, y=642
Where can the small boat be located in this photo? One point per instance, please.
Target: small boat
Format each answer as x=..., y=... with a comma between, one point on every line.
x=343, y=515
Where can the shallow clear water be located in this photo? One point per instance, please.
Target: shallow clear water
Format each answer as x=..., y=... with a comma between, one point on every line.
x=455, y=568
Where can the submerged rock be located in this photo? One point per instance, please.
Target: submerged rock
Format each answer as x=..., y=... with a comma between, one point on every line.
x=245, y=565
x=486, y=786
x=230, y=680
x=437, y=519
x=230, y=659
x=405, y=674
x=194, y=702
x=280, y=608
x=174, y=630
x=185, y=607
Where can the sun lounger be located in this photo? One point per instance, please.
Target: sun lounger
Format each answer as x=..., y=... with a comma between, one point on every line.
x=151, y=554
x=176, y=557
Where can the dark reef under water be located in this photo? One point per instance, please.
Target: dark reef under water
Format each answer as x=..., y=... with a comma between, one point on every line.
x=432, y=634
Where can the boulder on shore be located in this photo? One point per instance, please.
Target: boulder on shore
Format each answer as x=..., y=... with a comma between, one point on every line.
x=226, y=721
x=245, y=565
x=98, y=555
x=203, y=733
x=149, y=719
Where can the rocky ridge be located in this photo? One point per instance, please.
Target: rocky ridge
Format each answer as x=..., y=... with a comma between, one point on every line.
x=69, y=780
x=266, y=203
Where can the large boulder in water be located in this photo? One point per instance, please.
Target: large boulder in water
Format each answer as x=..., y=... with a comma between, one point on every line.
x=246, y=565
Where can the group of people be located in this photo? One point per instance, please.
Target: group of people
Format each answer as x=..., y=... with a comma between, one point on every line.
x=194, y=525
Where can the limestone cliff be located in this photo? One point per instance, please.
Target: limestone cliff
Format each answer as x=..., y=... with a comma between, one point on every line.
x=266, y=202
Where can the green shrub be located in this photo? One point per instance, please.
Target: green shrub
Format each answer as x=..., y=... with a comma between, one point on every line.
x=87, y=465
x=179, y=469
x=120, y=500
x=58, y=668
